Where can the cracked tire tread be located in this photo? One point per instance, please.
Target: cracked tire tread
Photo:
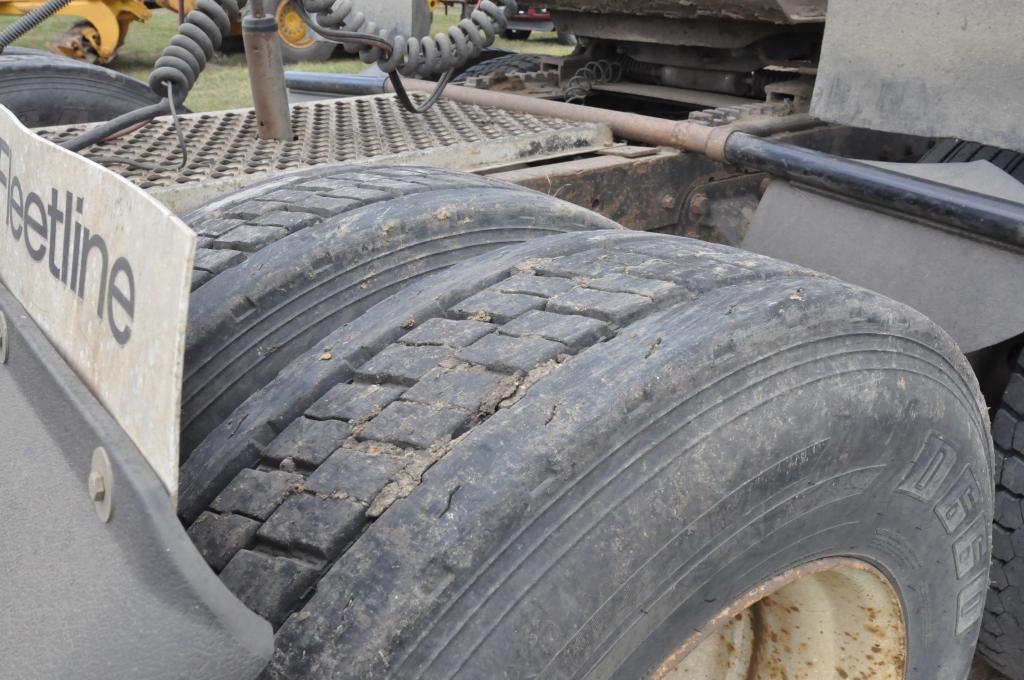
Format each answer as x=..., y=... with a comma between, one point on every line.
x=351, y=442
x=233, y=228
x=288, y=260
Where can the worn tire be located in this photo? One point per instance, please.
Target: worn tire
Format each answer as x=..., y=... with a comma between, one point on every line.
x=282, y=263
x=1002, y=632
x=511, y=63
x=513, y=34
x=956, y=151
x=559, y=459
x=1001, y=642
x=45, y=89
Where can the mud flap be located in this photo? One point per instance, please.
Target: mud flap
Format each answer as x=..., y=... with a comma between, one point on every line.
x=127, y=598
x=99, y=579
x=944, y=275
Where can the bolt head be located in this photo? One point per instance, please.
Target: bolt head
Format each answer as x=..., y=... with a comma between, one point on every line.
x=698, y=206
x=668, y=201
x=97, y=486
x=3, y=338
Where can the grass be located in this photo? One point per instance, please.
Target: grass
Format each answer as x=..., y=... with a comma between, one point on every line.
x=224, y=84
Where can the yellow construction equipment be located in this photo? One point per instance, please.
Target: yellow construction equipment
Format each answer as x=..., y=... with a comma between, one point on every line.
x=105, y=23
x=102, y=30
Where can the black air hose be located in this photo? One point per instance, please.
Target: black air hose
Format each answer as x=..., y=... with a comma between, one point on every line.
x=202, y=32
x=177, y=67
x=30, y=20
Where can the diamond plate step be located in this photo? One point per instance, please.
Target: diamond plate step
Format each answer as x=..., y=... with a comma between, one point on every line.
x=224, y=153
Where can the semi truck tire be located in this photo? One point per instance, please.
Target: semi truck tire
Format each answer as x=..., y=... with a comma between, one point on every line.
x=510, y=63
x=517, y=34
x=45, y=89
x=1001, y=642
x=282, y=263
x=1002, y=632
x=957, y=151
x=610, y=454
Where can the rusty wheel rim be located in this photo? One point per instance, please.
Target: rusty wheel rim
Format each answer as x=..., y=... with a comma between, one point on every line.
x=291, y=27
x=837, y=617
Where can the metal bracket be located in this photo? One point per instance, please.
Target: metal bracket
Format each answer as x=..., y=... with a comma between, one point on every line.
x=101, y=483
x=719, y=209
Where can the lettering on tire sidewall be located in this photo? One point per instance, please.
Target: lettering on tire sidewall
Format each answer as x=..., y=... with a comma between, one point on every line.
x=938, y=478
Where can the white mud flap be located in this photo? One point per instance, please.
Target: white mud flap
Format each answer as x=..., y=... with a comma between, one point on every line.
x=103, y=269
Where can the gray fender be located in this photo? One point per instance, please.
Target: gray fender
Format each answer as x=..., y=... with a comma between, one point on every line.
x=82, y=597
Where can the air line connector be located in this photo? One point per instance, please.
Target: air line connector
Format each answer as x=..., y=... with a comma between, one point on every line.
x=266, y=74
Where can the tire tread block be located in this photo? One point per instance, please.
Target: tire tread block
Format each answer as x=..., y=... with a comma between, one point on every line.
x=256, y=493
x=269, y=585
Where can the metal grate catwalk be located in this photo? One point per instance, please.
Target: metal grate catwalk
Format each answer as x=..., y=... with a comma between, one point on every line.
x=224, y=151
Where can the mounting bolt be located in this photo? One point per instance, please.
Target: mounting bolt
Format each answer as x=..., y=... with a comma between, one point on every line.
x=668, y=201
x=101, y=483
x=3, y=339
x=97, y=489
x=698, y=205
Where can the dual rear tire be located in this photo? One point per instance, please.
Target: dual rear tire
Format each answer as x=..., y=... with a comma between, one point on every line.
x=568, y=457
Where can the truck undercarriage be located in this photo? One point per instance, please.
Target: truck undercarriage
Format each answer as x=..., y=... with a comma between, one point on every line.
x=692, y=348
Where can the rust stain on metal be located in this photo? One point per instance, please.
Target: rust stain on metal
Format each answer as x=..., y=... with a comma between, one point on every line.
x=849, y=605
x=643, y=192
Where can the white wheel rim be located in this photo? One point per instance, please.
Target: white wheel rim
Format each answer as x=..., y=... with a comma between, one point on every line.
x=836, y=617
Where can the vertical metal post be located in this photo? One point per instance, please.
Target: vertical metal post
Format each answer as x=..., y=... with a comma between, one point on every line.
x=266, y=74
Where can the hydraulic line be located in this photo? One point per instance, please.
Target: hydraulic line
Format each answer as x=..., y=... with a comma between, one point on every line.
x=959, y=210
x=335, y=21
x=30, y=20
x=115, y=125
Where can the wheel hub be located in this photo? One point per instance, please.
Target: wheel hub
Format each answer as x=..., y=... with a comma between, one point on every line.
x=291, y=27
x=835, y=617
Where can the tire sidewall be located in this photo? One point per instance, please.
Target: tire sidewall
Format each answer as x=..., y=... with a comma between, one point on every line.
x=47, y=90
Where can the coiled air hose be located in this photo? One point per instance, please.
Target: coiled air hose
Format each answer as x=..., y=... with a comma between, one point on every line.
x=335, y=20
x=185, y=57
x=393, y=53
x=176, y=69
x=204, y=28
x=597, y=72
